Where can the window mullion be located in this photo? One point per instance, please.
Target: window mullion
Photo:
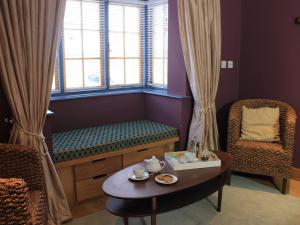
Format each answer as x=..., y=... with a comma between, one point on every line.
x=106, y=44
x=82, y=51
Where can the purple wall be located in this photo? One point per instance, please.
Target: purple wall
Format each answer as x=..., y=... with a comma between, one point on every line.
x=270, y=54
x=92, y=111
x=177, y=82
x=228, y=90
x=170, y=111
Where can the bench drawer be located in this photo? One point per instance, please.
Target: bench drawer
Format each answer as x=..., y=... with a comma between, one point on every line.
x=140, y=155
x=96, y=167
x=90, y=188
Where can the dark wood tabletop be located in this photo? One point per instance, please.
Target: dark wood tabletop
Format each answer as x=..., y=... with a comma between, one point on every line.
x=119, y=186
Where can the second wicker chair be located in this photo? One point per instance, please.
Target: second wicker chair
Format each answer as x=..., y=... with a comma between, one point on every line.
x=269, y=159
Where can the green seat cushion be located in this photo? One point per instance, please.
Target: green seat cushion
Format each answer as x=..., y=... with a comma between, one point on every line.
x=79, y=143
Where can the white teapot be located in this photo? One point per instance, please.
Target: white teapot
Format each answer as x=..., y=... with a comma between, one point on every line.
x=153, y=165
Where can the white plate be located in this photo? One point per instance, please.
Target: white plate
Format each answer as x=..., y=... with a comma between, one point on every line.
x=175, y=179
x=133, y=177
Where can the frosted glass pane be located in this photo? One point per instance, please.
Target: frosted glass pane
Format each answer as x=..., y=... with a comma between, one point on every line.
x=90, y=15
x=116, y=71
x=165, y=71
x=132, y=18
x=132, y=45
x=72, y=44
x=73, y=73
x=158, y=45
x=72, y=19
x=116, y=45
x=157, y=71
x=132, y=71
x=92, y=73
x=91, y=44
x=116, y=18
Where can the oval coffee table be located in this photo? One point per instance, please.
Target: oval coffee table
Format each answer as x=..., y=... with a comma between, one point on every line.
x=147, y=198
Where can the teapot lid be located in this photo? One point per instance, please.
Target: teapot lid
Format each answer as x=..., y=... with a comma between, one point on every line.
x=153, y=159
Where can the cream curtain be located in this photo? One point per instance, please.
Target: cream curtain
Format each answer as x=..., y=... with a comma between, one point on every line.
x=29, y=31
x=200, y=31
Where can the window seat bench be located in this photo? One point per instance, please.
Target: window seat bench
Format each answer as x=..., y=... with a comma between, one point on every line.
x=85, y=157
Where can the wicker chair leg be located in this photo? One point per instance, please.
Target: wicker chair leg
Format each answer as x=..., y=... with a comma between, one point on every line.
x=284, y=185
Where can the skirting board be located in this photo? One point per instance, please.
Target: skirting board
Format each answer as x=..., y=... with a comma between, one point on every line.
x=295, y=173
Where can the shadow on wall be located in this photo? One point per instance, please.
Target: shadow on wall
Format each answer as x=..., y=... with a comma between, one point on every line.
x=222, y=119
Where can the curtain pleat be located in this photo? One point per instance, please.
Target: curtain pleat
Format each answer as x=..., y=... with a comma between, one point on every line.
x=200, y=32
x=29, y=31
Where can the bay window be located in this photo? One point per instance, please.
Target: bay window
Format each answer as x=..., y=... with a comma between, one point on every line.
x=113, y=44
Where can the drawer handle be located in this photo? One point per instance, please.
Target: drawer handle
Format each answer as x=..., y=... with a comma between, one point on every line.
x=142, y=150
x=100, y=176
x=98, y=160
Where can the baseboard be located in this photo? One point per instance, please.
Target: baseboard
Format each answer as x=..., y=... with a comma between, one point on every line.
x=295, y=173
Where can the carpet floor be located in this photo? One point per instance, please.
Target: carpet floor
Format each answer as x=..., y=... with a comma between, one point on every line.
x=248, y=201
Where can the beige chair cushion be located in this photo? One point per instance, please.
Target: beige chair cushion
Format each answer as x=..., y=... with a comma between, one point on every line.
x=261, y=124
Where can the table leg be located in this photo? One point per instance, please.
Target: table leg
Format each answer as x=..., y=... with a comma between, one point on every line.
x=125, y=220
x=220, y=193
x=154, y=207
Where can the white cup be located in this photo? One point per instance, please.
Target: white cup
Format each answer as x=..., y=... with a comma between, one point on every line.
x=138, y=172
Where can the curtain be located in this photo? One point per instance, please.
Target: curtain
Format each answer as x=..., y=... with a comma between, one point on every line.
x=200, y=32
x=29, y=31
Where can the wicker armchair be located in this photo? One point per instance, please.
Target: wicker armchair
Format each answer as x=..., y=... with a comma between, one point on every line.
x=269, y=159
x=22, y=190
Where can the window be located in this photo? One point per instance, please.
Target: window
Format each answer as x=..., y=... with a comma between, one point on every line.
x=105, y=43
x=158, y=44
x=82, y=45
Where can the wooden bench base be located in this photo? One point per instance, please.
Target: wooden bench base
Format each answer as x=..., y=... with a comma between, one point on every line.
x=82, y=178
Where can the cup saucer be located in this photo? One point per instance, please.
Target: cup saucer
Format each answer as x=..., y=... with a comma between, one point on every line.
x=131, y=176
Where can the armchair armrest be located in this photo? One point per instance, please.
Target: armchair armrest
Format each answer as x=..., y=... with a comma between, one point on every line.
x=23, y=162
x=14, y=205
x=288, y=126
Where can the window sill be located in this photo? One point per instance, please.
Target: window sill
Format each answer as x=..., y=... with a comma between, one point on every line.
x=159, y=92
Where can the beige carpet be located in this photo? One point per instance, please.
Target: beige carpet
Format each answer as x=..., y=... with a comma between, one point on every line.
x=247, y=201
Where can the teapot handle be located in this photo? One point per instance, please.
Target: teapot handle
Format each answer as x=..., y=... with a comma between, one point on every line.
x=162, y=164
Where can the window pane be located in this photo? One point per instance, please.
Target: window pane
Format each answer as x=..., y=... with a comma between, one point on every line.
x=116, y=18
x=91, y=44
x=159, y=36
x=72, y=44
x=73, y=73
x=72, y=19
x=116, y=45
x=90, y=15
x=116, y=70
x=158, y=45
x=132, y=19
x=132, y=45
x=92, y=73
x=157, y=71
x=132, y=71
